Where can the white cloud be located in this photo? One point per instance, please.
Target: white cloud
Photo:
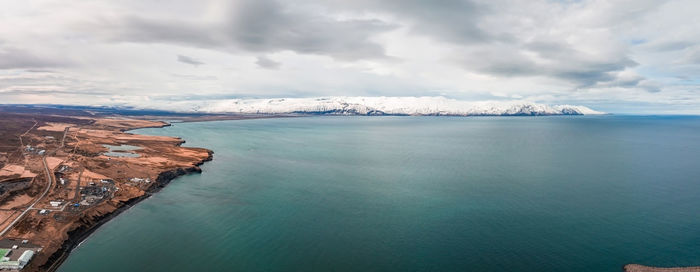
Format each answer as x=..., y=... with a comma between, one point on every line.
x=642, y=56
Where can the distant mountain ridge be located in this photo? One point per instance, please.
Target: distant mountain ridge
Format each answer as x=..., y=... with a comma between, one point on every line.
x=342, y=105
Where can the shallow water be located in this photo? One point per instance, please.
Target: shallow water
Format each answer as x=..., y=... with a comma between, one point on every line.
x=121, y=151
x=418, y=194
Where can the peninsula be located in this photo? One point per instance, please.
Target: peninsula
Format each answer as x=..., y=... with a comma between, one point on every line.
x=63, y=173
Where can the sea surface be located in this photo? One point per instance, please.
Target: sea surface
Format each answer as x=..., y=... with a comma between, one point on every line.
x=418, y=194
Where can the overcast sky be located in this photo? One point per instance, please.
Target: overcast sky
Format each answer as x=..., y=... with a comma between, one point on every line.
x=617, y=56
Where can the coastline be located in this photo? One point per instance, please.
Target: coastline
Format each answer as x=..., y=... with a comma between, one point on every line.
x=644, y=268
x=78, y=239
x=80, y=234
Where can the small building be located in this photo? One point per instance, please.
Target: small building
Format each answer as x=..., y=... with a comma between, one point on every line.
x=15, y=255
x=25, y=258
x=10, y=265
x=55, y=203
x=43, y=212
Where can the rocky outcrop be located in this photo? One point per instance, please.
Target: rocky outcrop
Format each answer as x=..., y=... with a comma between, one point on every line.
x=642, y=268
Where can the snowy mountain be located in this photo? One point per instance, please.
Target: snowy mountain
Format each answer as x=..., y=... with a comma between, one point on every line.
x=372, y=106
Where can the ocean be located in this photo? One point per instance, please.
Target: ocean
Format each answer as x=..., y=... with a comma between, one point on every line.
x=558, y=193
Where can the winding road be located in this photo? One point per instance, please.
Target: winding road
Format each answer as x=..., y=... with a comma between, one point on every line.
x=49, y=178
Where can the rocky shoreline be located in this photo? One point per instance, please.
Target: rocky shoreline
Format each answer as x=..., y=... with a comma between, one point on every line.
x=643, y=268
x=90, y=225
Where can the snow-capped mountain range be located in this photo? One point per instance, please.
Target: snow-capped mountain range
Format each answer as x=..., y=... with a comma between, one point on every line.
x=341, y=105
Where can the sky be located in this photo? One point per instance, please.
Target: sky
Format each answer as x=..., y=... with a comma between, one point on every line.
x=616, y=56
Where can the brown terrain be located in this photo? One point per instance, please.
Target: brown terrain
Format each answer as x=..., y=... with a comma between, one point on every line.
x=59, y=182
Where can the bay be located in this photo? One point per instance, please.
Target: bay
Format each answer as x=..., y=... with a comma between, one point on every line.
x=582, y=193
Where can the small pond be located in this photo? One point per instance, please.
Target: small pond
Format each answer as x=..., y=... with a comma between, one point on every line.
x=121, y=151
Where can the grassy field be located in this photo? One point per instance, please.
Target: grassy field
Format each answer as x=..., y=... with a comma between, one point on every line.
x=3, y=251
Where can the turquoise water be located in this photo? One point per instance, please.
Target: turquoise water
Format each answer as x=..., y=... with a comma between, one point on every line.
x=418, y=194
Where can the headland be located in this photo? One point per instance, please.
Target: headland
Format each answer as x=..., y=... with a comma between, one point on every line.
x=65, y=172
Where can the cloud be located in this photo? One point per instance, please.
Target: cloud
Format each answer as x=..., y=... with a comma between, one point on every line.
x=457, y=21
x=194, y=77
x=607, y=52
x=47, y=90
x=40, y=71
x=267, y=63
x=134, y=28
x=259, y=26
x=14, y=58
x=508, y=39
x=188, y=60
x=553, y=60
x=301, y=31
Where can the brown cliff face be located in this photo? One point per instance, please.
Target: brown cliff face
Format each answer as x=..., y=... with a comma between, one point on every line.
x=90, y=222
